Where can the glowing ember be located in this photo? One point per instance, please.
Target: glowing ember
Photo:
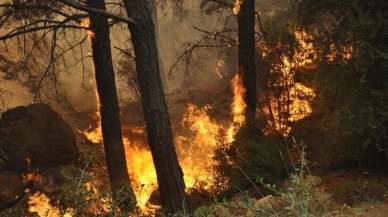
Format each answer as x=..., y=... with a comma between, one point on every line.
x=344, y=53
x=32, y=177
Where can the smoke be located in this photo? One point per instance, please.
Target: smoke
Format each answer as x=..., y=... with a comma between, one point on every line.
x=173, y=32
x=77, y=77
x=2, y=2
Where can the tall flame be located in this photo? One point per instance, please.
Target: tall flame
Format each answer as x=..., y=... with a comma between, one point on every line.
x=195, y=152
x=238, y=105
x=141, y=169
x=238, y=108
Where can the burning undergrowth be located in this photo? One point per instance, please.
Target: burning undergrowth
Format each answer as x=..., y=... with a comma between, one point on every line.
x=199, y=136
x=196, y=143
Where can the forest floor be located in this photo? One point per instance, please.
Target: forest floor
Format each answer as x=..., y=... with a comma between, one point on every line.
x=365, y=192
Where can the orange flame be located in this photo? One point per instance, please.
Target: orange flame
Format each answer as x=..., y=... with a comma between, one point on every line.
x=41, y=205
x=238, y=108
x=142, y=171
x=94, y=134
x=238, y=104
x=86, y=24
x=195, y=152
x=293, y=104
x=237, y=6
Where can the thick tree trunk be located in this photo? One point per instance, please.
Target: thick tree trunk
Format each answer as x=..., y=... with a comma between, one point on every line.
x=246, y=55
x=109, y=108
x=160, y=139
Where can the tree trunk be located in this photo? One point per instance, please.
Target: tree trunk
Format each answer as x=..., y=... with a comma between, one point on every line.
x=246, y=55
x=160, y=139
x=109, y=108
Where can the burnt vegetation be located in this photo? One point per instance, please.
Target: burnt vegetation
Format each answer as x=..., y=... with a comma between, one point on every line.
x=193, y=108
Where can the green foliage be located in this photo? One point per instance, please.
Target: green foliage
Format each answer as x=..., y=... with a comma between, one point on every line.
x=251, y=154
x=361, y=24
x=349, y=126
x=301, y=197
x=84, y=195
x=350, y=113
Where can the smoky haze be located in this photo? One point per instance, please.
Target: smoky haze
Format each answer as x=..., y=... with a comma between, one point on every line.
x=174, y=31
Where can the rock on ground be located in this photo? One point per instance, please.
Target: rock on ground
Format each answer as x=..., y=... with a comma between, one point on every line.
x=35, y=137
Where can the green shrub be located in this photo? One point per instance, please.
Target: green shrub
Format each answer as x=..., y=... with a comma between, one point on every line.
x=251, y=154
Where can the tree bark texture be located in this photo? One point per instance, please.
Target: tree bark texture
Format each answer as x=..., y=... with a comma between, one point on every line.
x=246, y=55
x=160, y=138
x=108, y=105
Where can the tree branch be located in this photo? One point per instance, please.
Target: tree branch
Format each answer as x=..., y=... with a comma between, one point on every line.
x=104, y=13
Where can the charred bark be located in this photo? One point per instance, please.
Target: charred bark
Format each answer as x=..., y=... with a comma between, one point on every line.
x=109, y=109
x=246, y=55
x=160, y=139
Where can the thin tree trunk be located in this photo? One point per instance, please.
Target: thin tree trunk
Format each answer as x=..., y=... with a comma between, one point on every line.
x=160, y=139
x=246, y=55
x=109, y=109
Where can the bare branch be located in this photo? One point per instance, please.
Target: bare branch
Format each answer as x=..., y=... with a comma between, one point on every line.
x=97, y=11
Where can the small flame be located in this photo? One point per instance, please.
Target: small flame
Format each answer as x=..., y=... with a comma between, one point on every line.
x=344, y=52
x=237, y=6
x=94, y=134
x=86, y=24
x=40, y=204
x=219, y=69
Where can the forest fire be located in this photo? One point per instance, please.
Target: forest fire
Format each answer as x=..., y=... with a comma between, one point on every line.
x=292, y=102
x=195, y=151
x=178, y=131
